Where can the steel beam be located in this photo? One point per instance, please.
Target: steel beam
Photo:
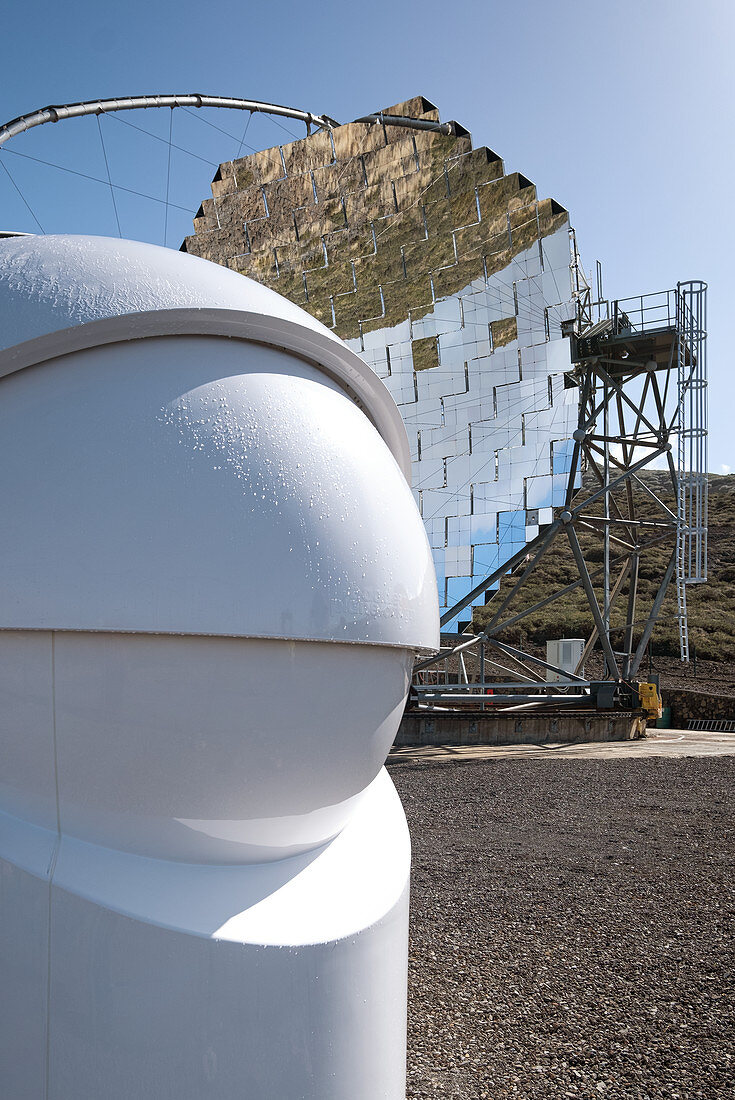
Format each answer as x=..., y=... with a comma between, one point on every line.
x=545, y=686
x=523, y=577
x=614, y=384
x=542, y=537
x=143, y=102
x=410, y=123
x=554, y=700
x=653, y=615
x=619, y=480
x=513, y=652
x=592, y=601
x=630, y=618
x=594, y=635
x=649, y=492
x=444, y=653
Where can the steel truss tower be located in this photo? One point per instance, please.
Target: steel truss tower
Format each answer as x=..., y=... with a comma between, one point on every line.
x=640, y=367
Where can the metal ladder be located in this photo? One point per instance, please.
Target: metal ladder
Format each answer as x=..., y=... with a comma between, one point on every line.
x=691, y=425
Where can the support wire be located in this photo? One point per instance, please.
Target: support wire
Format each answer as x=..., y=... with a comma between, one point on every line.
x=109, y=178
x=168, y=177
x=23, y=198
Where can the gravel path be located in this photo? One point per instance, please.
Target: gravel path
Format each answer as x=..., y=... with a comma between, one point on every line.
x=571, y=928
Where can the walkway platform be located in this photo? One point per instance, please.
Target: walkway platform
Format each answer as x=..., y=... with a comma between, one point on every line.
x=672, y=743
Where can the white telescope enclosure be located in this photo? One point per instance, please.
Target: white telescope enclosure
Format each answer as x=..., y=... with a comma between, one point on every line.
x=214, y=581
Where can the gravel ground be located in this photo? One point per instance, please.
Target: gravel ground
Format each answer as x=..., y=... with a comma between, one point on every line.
x=571, y=928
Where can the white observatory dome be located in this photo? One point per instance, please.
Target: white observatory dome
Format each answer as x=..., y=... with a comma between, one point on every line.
x=211, y=559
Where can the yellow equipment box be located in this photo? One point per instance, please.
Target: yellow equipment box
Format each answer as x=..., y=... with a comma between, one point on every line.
x=650, y=700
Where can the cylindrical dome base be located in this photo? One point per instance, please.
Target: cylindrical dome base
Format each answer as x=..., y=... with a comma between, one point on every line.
x=136, y=977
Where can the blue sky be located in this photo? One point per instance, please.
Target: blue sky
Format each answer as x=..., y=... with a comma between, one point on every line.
x=622, y=112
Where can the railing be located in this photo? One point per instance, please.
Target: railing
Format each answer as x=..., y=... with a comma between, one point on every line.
x=645, y=312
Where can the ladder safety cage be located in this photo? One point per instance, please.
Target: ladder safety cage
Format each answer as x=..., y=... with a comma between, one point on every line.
x=692, y=431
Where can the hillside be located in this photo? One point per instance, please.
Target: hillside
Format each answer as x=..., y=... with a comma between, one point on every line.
x=711, y=606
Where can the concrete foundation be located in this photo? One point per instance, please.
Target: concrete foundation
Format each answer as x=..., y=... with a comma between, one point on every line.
x=486, y=728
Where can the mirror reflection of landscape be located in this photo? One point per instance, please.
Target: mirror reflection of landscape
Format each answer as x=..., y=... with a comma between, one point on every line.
x=451, y=279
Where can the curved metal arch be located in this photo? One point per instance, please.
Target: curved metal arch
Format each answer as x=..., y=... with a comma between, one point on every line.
x=132, y=103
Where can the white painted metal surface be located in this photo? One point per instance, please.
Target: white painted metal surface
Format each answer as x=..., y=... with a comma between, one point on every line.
x=228, y=750
x=564, y=653
x=214, y=581
x=209, y=486
x=53, y=288
x=285, y=980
